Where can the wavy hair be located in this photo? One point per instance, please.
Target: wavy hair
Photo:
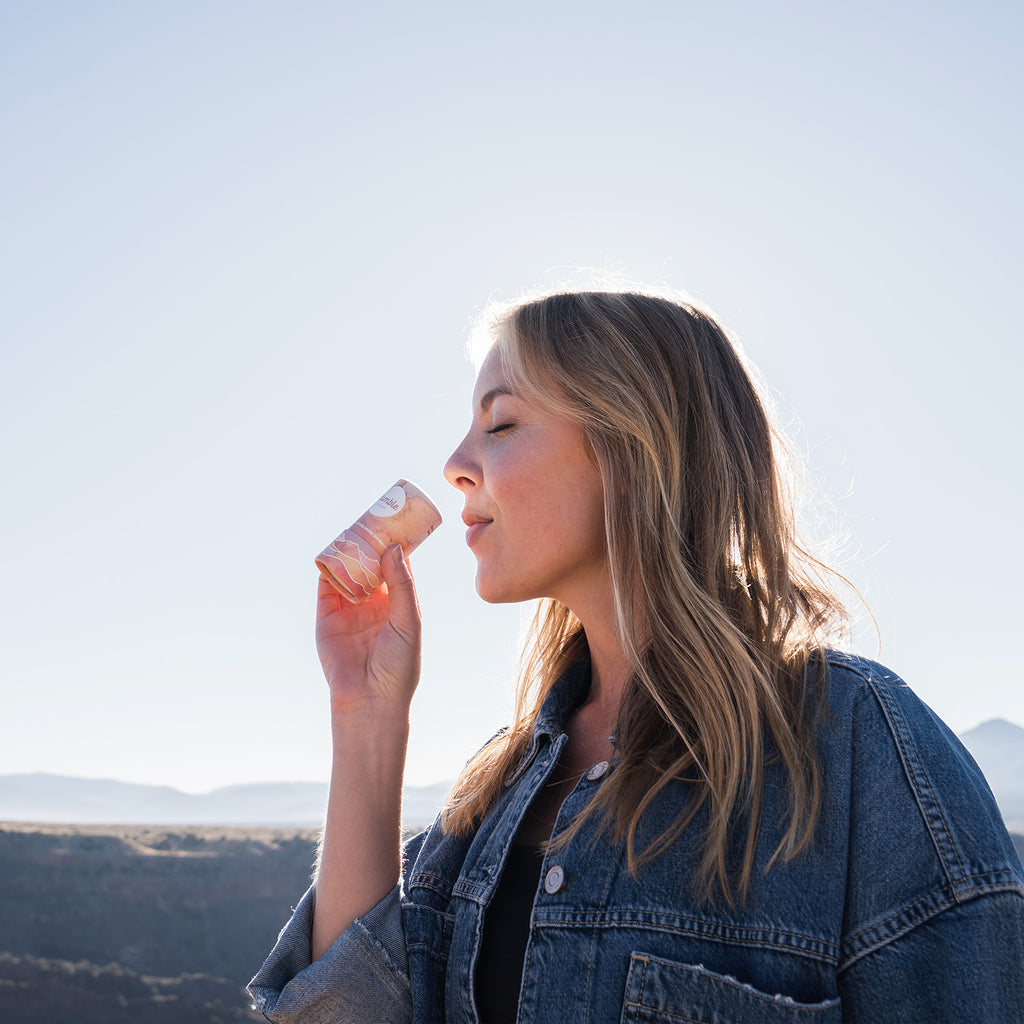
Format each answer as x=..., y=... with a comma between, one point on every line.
x=723, y=615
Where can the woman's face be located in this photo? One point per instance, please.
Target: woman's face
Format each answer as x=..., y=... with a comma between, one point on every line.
x=534, y=501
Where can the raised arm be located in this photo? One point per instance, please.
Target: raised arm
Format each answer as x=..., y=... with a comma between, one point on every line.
x=370, y=654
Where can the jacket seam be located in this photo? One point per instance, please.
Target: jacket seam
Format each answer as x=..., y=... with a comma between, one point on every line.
x=922, y=916
x=924, y=796
x=424, y=880
x=688, y=924
x=816, y=949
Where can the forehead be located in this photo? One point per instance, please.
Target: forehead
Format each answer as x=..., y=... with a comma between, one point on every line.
x=491, y=379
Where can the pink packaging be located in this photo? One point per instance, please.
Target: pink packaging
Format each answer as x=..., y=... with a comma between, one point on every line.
x=403, y=515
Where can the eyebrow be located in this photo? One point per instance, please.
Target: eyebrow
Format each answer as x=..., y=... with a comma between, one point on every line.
x=488, y=399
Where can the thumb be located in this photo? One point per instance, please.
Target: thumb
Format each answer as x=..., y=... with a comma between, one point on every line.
x=405, y=611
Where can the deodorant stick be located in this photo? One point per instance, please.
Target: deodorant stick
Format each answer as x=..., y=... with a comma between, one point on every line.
x=403, y=515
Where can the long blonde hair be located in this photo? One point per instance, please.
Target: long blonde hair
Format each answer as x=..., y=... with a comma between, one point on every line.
x=722, y=614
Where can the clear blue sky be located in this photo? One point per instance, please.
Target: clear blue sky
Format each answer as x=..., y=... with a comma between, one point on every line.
x=242, y=243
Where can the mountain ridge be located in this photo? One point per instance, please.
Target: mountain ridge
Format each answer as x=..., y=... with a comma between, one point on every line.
x=68, y=799
x=996, y=744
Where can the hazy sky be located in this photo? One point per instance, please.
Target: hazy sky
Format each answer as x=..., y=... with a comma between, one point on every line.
x=242, y=244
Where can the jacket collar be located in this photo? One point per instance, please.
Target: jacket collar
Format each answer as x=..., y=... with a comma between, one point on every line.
x=568, y=693
x=565, y=696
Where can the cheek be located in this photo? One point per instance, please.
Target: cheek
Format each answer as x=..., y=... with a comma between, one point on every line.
x=518, y=486
x=588, y=528
x=580, y=495
x=569, y=524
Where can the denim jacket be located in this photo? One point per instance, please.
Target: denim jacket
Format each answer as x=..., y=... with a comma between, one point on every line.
x=908, y=907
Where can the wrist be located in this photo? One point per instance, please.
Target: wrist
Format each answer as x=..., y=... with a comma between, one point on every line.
x=369, y=739
x=372, y=741
x=372, y=715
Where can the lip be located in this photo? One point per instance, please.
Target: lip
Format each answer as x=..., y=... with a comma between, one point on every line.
x=475, y=525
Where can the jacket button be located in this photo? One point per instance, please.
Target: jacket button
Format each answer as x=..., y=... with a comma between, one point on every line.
x=595, y=771
x=554, y=879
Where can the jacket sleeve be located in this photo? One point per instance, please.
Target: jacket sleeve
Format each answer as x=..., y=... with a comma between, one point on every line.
x=362, y=977
x=965, y=964
x=934, y=906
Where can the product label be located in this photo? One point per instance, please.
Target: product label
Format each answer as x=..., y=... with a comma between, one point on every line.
x=389, y=504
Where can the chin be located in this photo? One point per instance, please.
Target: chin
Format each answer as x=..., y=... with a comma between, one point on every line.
x=492, y=597
x=493, y=592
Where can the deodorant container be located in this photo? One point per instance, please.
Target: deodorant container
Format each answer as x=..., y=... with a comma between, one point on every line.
x=403, y=515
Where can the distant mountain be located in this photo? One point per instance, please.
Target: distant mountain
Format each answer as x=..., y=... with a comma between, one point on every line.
x=997, y=746
x=65, y=799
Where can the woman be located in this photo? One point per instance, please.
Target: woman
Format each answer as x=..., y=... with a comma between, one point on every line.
x=701, y=812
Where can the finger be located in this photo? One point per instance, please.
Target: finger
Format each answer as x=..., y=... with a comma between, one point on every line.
x=405, y=612
x=327, y=597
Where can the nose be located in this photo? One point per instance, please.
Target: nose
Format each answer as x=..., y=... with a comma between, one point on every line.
x=461, y=470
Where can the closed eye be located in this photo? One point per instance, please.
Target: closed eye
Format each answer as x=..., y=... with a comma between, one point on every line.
x=500, y=428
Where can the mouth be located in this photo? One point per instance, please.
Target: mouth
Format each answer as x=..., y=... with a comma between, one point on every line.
x=475, y=525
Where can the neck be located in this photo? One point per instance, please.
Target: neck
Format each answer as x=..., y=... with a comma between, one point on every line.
x=609, y=670
x=593, y=722
x=595, y=719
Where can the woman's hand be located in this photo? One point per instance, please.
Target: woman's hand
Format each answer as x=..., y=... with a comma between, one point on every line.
x=370, y=652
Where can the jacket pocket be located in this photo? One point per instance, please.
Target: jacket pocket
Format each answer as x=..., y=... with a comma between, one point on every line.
x=662, y=992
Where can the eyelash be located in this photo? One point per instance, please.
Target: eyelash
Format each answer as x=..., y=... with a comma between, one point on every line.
x=500, y=427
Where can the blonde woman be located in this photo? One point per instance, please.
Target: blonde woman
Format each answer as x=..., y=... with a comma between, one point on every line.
x=701, y=811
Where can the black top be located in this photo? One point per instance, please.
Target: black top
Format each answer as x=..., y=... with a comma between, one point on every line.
x=499, y=969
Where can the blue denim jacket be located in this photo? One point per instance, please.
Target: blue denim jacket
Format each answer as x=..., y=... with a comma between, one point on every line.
x=909, y=907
